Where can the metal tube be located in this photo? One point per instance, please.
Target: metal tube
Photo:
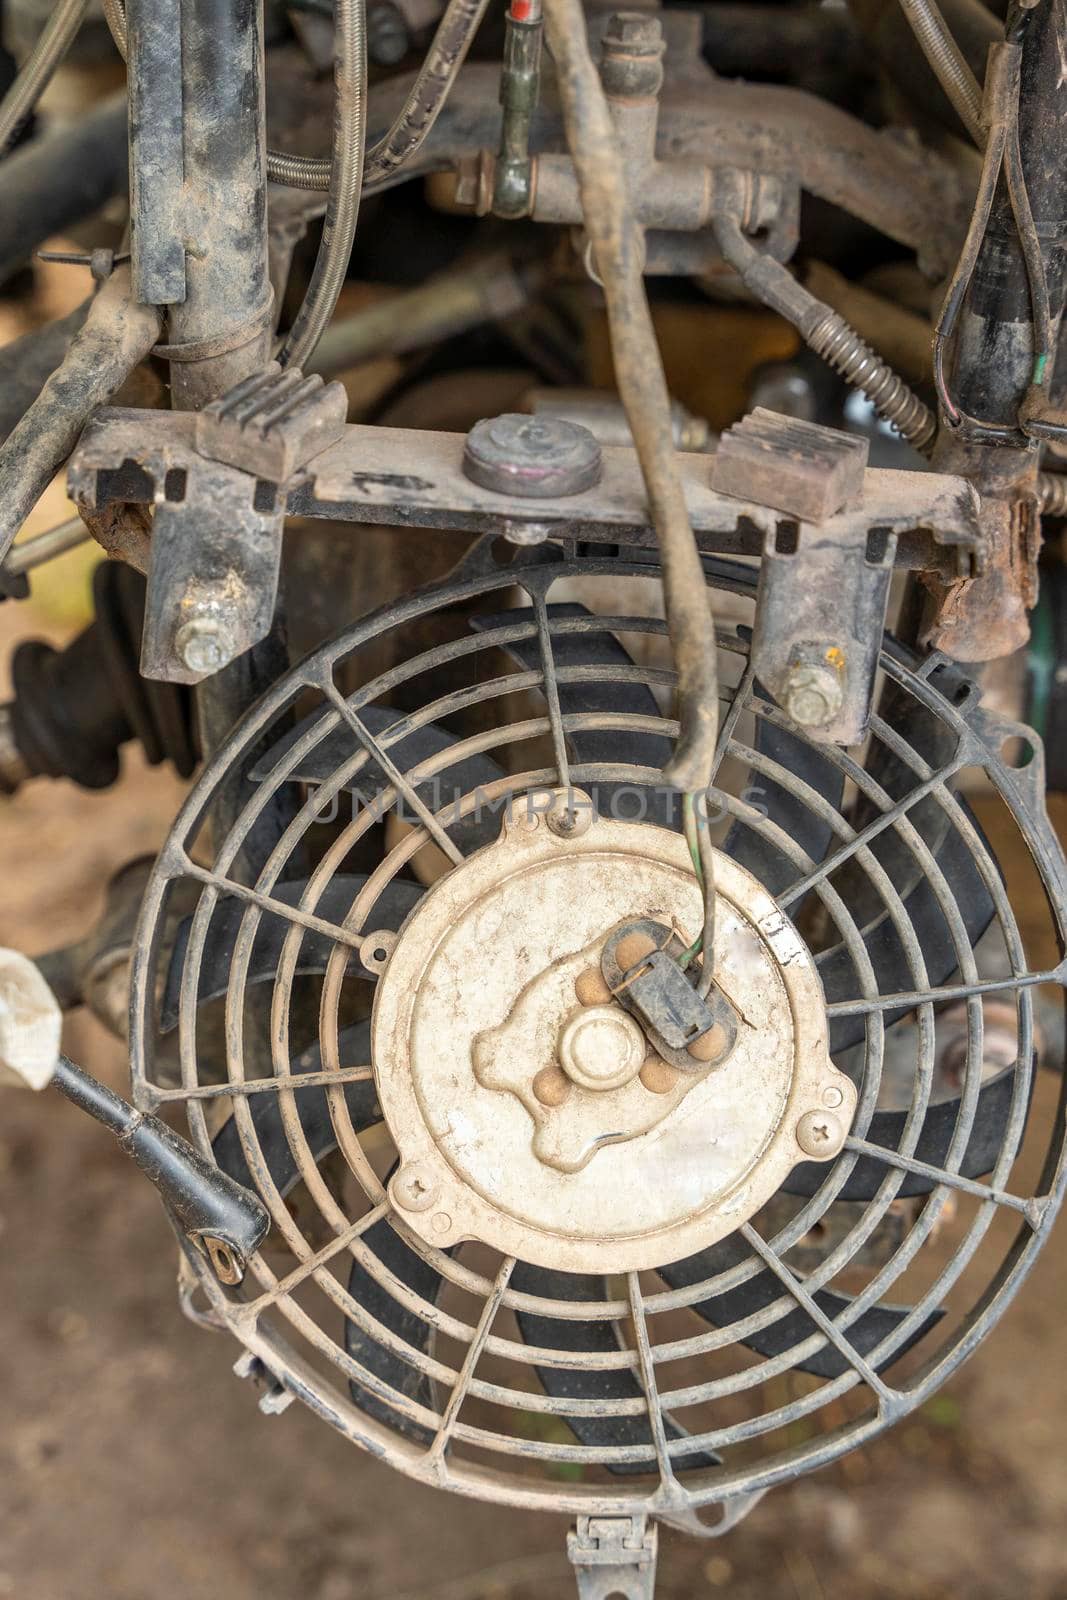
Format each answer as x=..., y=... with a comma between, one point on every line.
x=447, y=305
x=220, y=333
x=54, y=41
x=828, y=334
x=519, y=83
x=32, y=553
x=618, y=249
x=117, y=334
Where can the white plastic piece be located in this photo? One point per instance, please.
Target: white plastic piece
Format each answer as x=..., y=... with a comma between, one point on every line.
x=30, y=1023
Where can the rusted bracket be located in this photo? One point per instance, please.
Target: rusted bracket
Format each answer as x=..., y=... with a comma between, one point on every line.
x=614, y=1556
x=411, y=478
x=823, y=591
x=220, y=502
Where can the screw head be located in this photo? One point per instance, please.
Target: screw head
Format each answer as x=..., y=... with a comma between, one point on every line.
x=414, y=1187
x=534, y=456
x=820, y=1134
x=813, y=695
x=204, y=644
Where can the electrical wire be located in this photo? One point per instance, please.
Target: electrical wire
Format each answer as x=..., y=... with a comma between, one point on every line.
x=346, y=182
x=1002, y=97
x=697, y=831
x=53, y=42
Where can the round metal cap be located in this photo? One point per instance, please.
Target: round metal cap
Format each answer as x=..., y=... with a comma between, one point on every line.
x=602, y=1048
x=539, y=457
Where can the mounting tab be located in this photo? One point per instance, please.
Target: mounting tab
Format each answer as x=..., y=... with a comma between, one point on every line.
x=614, y=1556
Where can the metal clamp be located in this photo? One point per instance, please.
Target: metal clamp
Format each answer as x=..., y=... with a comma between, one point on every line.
x=613, y=1556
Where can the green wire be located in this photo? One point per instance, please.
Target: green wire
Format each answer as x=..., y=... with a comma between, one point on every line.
x=692, y=839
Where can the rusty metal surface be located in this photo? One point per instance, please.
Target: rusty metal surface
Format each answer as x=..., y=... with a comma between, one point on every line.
x=889, y=180
x=414, y=479
x=808, y=471
x=116, y=334
x=984, y=616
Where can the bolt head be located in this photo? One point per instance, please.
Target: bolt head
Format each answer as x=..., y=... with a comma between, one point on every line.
x=414, y=1187
x=204, y=645
x=633, y=28
x=820, y=1134
x=813, y=696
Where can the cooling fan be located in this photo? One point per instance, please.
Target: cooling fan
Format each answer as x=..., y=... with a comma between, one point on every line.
x=515, y=1250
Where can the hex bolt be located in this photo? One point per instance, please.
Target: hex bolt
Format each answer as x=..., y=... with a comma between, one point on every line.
x=535, y=457
x=820, y=1134
x=631, y=64
x=414, y=1188
x=813, y=695
x=204, y=645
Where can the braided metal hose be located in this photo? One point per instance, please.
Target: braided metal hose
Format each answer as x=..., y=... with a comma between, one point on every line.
x=346, y=183
x=53, y=42
x=948, y=63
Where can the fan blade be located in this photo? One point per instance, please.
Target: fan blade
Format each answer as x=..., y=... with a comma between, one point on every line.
x=558, y=1333
x=887, y=1129
x=753, y=849
x=396, y=1256
x=464, y=776
x=394, y=903
x=399, y=1259
x=864, y=1333
x=628, y=697
x=312, y=1108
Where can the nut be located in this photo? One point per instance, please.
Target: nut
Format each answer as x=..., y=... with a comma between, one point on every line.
x=820, y=1134
x=634, y=28
x=204, y=645
x=414, y=1187
x=813, y=695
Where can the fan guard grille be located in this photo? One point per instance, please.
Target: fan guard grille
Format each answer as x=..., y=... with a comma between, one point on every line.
x=465, y=1407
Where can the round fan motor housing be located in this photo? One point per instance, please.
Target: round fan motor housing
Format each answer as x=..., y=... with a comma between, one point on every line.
x=614, y=1169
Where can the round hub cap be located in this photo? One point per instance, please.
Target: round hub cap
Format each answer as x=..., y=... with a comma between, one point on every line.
x=530, y=1102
